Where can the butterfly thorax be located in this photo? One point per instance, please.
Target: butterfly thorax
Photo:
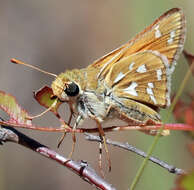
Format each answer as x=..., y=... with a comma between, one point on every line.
x=98, y=101
x=89, y=101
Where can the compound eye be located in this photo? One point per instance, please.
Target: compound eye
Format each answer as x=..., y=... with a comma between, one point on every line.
x=72, y=89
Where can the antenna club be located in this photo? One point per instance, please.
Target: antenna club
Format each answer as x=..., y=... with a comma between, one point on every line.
x=31, y=66
x=15, y=61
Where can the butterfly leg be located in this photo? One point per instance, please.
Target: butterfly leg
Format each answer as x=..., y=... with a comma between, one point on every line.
x=78, y=121
x=102, y=136
x=69, y=122
x=100, y=158
x=41, y=114
x=100, y=151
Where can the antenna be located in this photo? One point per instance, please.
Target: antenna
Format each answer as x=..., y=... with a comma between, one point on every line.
x=31, y=66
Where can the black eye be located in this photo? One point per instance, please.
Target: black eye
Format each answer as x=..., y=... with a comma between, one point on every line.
x=72, y=89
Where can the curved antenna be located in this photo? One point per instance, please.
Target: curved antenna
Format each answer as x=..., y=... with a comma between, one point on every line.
x=31, y=66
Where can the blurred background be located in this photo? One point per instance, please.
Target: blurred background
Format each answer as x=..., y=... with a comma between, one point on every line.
x=59, y=35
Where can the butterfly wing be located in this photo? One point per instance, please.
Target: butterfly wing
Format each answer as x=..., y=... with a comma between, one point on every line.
x=166, y=35
x=144, y=76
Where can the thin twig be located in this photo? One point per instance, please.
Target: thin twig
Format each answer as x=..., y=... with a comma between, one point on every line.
x=156, y=138
x=9, y=134
x=170, y=126
x=126, y=146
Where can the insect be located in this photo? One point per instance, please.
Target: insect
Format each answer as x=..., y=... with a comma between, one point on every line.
x=131, y=82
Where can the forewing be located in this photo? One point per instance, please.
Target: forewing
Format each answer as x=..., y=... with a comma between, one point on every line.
x=166, y=35
x=144, y=76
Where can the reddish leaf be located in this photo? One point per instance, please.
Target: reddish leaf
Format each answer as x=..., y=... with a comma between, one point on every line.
x=185, y=182
x=191, y=148
x=17, y=114
x=44, y=98
x=179, y=110
x=184, y=112
x=189, y=116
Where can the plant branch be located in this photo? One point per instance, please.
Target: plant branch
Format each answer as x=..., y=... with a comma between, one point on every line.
x=156, y=138
x=9, y=134
x=170, y=126
x=126, y=146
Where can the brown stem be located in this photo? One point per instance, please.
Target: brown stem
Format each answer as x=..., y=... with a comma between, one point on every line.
x=80, y=168
x=170, y=126
x=126, y=146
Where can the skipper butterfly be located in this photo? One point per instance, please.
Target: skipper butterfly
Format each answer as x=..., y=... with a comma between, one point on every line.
x=131, y=82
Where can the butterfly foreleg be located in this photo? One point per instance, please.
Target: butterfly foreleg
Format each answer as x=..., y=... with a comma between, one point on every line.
x=78, y=121
x=69, y=122
x=102, y=136
x=100, y=157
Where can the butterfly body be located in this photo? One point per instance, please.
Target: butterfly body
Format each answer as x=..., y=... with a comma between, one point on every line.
x=98, y=98
x=131, y=82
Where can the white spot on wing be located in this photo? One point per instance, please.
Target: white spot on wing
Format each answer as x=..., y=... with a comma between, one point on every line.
x=150, y=92
x=131, y=89
x=141, y=69
x=168, y=72
x=150, y=84
x=119, y=77
x=131, y=66
x=170, y=40
x=153, y=99
x=157, y=32
x=159, y=74
x=172, y=35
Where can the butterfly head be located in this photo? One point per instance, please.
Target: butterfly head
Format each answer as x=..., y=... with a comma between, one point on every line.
x=64, y=87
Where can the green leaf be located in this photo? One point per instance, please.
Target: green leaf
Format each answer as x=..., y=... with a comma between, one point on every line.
x=188, y=181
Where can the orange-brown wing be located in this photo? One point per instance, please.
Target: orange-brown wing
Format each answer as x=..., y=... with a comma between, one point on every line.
x=166, y=35
x=144, y=76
